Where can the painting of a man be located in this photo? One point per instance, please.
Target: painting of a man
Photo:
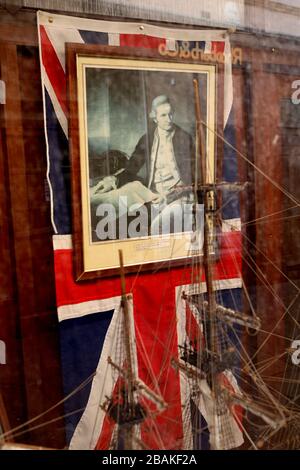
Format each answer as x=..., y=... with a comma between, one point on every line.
x=137, y=179
x=163, y=161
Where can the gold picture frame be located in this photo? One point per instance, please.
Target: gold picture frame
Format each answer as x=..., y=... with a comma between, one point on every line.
x=110, y=90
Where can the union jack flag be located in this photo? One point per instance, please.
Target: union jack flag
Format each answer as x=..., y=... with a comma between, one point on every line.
x=89, y=312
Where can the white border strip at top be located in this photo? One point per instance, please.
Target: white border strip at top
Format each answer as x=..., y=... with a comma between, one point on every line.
x=101, y=26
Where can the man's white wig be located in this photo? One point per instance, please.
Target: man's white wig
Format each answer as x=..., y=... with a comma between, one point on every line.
x=161, y=99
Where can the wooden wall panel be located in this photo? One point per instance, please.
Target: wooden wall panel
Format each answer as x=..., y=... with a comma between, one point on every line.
x=272, y=76
x=262, y=85
x=11, y=373
x=32, y=294
x=44, y=316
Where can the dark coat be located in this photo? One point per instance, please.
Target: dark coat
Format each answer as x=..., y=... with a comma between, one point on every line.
x=138, y=166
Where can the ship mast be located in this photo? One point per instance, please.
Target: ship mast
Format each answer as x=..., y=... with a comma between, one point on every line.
x=125, y=407
x=128, y=349
x=206, y=196
x=211, y=360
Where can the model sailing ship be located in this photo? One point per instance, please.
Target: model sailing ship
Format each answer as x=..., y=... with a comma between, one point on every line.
x=245, y=413
x=215, y=368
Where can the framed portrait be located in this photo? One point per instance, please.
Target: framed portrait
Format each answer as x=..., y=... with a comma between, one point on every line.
x=135, y=162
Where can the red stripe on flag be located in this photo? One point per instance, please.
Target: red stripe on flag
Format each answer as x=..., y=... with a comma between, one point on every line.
x=54, y=69
x=70, y=292
x=140, y=40
x=156, y=335
x=229, y=266
x=105, y=437
x=217, y=46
